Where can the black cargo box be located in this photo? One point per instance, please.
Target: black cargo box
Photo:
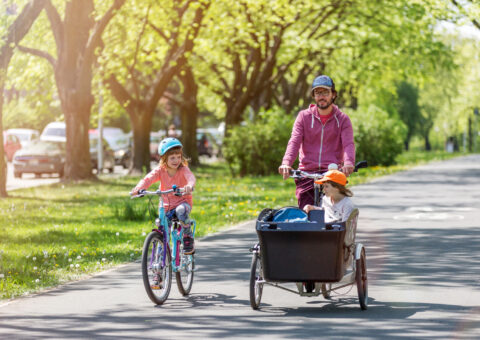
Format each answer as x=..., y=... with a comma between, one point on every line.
x=301, y=251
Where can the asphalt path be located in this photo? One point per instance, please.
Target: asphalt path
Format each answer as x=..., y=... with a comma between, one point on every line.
x=421, y=229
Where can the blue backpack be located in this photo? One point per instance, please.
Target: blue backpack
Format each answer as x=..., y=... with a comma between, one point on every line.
x=290, y=214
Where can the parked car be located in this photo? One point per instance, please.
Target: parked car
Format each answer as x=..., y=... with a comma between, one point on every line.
x=112, y=131
x=108, y=154
x=11, y=144
x=24, y=135
x=121, y=146
x=207, y=143
x=40, y=157
x=54, y=132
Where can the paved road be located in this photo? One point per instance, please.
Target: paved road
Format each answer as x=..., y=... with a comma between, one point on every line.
x=422, y=233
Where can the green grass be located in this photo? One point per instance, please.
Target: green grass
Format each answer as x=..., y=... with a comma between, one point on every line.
x=57, y=233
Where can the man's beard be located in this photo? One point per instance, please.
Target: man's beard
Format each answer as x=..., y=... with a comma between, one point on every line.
x=326, y=106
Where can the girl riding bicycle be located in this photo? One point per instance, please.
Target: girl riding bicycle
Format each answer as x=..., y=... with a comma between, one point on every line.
x=173, y=170
x=336, y=203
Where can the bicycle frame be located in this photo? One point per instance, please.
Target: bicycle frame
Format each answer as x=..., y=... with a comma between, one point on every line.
x=318, y=189
x=172, y=237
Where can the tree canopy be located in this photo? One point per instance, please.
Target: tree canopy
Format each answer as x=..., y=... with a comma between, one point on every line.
x=231, y=60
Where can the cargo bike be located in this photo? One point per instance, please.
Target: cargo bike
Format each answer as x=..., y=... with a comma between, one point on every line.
x=318, y=257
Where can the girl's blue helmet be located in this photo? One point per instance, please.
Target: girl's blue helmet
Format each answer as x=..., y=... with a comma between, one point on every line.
x=168, y=143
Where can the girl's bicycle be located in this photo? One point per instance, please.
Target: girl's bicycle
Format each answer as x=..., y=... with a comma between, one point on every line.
x=163, y=254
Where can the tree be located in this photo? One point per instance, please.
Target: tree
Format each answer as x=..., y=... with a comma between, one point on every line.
x=408, y=109
x=160, y=52
x=14, y=35
x=189, y=111
x=77, y=38
x=249, y=41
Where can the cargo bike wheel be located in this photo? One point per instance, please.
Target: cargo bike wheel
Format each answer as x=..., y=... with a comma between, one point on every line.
x=256, y=281
x=361, y=279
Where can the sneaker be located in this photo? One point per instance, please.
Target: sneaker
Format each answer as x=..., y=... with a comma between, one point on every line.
x=188, y=244
x=309, y=286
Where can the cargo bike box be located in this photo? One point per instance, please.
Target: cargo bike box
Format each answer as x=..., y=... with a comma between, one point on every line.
x=298, y=248
x=298, y=251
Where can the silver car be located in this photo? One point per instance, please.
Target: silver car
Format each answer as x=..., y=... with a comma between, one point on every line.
x=40, y=157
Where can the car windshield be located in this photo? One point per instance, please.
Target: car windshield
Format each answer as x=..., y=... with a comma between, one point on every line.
x=117, y=142
x=24, y=137
x=54, y=132
x=45, y=147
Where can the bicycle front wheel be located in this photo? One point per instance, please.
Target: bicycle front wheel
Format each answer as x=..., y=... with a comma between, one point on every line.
x=256, y=279
x=156, y=268
x=184, y=275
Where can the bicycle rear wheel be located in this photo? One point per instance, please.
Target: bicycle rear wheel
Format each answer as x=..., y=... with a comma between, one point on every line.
x=184, y=275
x=156, y=270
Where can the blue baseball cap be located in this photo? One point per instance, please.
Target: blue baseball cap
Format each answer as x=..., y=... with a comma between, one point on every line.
x=323, y=81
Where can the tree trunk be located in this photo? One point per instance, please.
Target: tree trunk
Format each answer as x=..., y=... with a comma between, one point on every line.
x=189, y=115
x=78, y=164
x=428, y=146
x=141, y=127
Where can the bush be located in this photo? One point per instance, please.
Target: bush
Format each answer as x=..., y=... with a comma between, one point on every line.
x=378, y=136
x=257, y=148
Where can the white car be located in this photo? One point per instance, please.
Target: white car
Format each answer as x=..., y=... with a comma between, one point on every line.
x=24, y=135
x=54, y=132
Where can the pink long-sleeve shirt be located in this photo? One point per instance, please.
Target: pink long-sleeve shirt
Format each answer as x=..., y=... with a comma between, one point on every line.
x=320, y=144
x=182, y=177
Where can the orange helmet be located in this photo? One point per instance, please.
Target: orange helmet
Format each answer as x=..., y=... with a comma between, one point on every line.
x=334, y=176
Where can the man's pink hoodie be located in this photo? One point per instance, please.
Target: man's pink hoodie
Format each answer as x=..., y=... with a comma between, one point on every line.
x=318, y=144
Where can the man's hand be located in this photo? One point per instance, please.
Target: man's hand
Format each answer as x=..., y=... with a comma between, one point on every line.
x=309, y=207
x=347, y=169
x=284, y=170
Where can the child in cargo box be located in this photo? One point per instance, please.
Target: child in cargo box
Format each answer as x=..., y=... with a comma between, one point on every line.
x=336, y=203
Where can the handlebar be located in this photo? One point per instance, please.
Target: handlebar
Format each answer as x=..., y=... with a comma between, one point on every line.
x=304, y=174
x=178, y=192
x=317, y=176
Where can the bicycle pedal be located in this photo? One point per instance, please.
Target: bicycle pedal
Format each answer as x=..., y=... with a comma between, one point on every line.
x=156, y=287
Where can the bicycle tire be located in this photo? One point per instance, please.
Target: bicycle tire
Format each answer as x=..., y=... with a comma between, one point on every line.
x=362, y=281
x=151, y=263
x=326, y=289
x=256, y=289
x=184, y=275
